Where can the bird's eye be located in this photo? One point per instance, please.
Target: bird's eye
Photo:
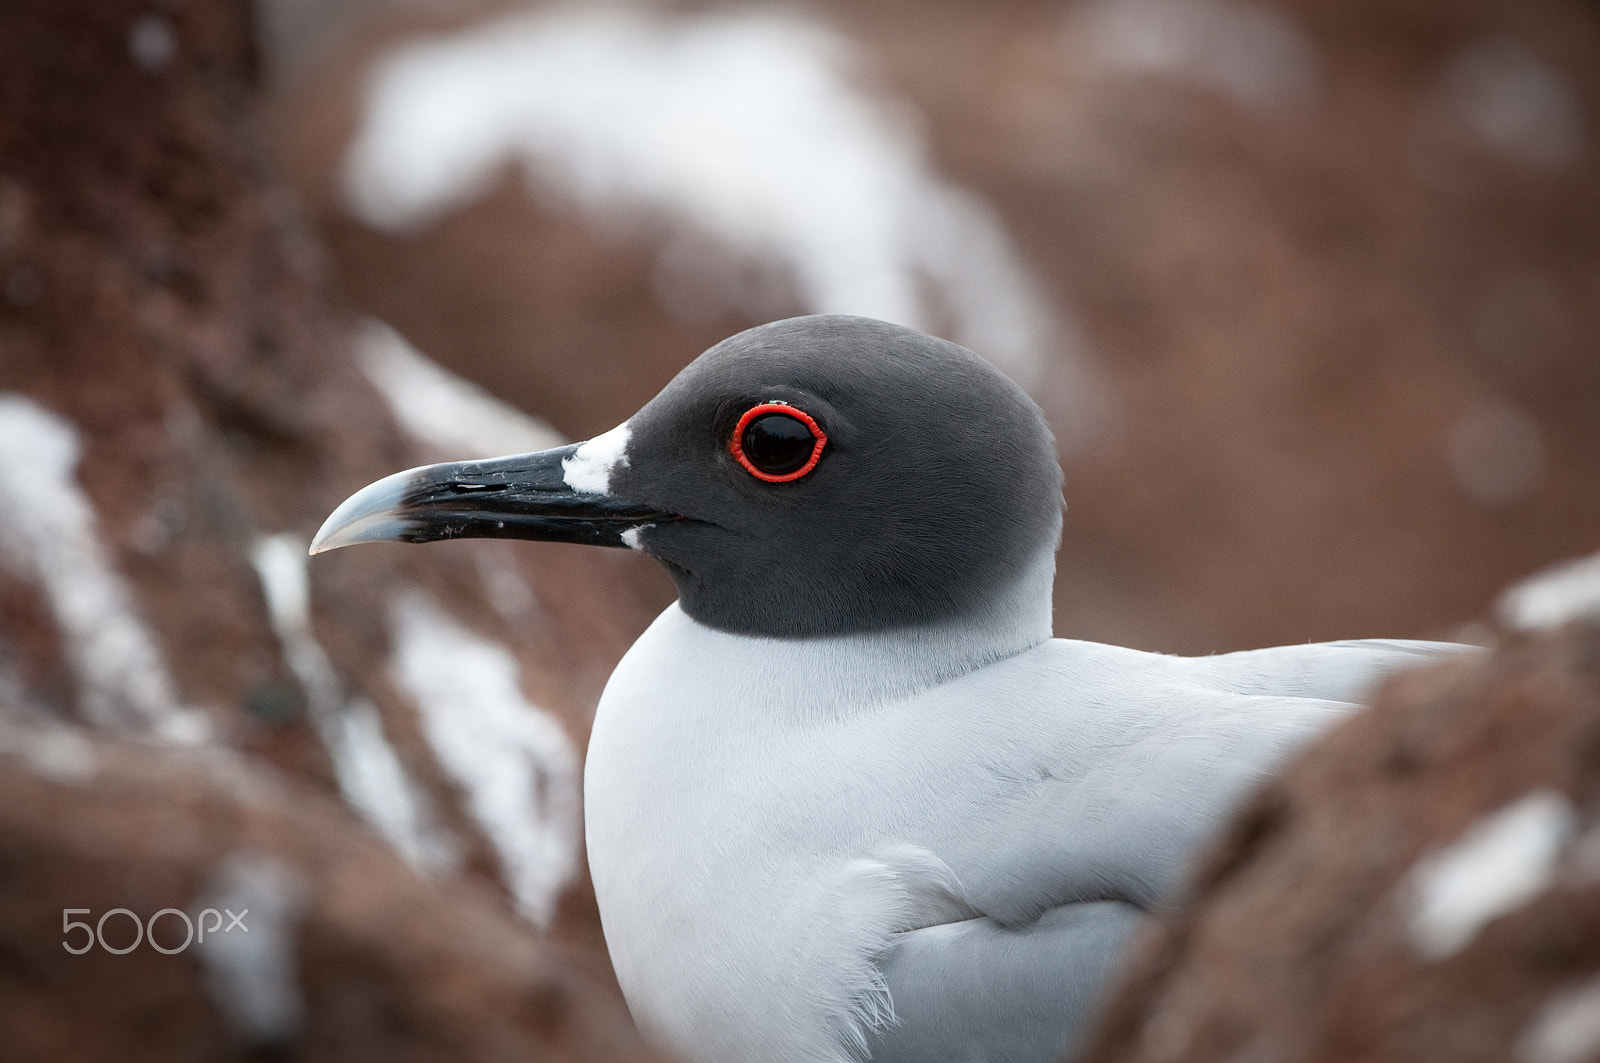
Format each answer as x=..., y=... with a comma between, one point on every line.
x=777, y=442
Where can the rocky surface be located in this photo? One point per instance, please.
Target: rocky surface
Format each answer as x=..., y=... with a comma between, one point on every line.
x=181, y=403
x=340, y=951
x=1424, y=884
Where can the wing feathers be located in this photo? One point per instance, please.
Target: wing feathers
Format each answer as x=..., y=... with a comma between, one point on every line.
x=977, y=991
x=1329, y=671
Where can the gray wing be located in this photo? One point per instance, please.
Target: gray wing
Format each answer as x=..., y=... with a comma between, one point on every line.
x=1147, y=757
x=979, y=992
x=1138, y=759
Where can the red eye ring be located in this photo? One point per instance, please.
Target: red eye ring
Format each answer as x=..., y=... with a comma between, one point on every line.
x=736, y=448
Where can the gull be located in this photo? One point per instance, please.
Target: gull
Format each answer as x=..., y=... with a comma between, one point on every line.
x=847, y=798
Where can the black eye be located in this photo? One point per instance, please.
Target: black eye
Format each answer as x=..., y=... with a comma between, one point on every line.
x=777, y=442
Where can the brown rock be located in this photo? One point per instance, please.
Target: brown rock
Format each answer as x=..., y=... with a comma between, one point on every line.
x=375, y=963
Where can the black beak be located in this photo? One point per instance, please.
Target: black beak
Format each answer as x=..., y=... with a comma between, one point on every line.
x=524, y=496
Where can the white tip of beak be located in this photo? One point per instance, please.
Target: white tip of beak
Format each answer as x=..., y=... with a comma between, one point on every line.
x=368, y=516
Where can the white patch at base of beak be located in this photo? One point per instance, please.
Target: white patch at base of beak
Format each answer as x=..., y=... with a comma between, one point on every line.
x=589, y=469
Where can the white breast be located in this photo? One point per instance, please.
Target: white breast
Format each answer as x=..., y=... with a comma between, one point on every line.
x=733, y=808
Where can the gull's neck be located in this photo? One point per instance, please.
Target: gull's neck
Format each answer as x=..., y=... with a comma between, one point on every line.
x=827, y=675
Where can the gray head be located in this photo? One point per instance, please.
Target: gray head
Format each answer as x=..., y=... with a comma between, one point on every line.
x=814, y=476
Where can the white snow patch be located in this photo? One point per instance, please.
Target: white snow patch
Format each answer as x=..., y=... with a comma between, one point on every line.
x=589, y=468
x=1255, y=54
x=152, y=43
x=503, y=583
x=52, y=751
x=250, y=969
x=1494, y=867
x=1496, y=454
x=1499, y=95
x=1567, y=1029
x=746, y=126
x=630, y=537
x=370, y=774
x=1552, y=597
x=50, y=536
x=515, y=763
x=440, y=409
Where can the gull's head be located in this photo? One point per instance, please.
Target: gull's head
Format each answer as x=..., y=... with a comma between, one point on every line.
x=814, y=476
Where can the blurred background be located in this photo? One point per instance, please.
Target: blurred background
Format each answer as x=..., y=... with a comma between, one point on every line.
x=1310, y=294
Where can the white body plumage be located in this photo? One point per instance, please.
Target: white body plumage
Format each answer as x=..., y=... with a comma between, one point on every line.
x=916, y=839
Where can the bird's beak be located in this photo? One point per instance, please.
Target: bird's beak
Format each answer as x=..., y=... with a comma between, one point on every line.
x=524, y=496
